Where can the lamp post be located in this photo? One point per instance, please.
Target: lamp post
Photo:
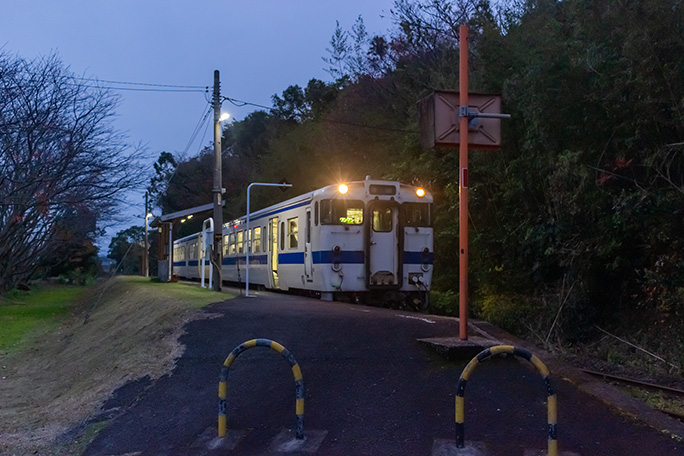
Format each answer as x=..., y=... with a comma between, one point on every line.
x=249, y=244
x=170, y=256
x=146, y=253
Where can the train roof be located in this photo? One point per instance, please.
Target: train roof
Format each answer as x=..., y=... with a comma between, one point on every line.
x=331, y=190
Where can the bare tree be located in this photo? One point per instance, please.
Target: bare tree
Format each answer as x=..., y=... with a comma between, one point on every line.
x=62, y=165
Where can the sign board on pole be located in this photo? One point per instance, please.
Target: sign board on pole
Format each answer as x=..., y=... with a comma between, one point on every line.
x=440, y=114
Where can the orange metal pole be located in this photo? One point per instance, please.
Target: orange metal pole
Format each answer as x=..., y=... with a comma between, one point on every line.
x=463, y=185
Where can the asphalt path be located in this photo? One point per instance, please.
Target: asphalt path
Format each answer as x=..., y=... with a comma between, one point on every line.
x=371, y=389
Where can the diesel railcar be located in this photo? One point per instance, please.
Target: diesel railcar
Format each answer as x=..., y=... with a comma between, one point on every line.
x=369, y=241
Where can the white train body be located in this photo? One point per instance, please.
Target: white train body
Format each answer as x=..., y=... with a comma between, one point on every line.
x=373, y=243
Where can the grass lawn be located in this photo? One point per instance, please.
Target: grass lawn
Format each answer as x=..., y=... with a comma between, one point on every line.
x=25, y=315
x=64, y=349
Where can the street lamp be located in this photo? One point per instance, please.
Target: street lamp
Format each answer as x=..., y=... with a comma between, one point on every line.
x=249, y=245
x=146, y=256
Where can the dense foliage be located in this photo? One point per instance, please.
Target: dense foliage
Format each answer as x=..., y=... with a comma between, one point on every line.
x=577, y=221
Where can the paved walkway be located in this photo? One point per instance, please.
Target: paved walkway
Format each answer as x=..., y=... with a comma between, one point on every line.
x=371, y=389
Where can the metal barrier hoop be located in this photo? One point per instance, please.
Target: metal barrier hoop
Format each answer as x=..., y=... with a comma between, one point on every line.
x=552, y=413
x=223, y=386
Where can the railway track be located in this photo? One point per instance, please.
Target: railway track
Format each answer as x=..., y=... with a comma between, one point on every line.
x=642, y=384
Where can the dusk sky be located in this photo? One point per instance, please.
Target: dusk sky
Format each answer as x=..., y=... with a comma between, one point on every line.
x=259, y=46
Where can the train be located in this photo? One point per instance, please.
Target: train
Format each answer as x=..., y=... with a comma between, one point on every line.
x=367, y=241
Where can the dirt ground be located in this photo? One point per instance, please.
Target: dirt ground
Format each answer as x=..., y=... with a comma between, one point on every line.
x=124, y=329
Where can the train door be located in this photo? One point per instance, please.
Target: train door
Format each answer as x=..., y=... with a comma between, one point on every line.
x=383, y=245
x=273, y=228
x=308, y=260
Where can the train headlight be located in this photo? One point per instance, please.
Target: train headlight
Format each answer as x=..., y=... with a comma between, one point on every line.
x=343, y=189
x=420, y=192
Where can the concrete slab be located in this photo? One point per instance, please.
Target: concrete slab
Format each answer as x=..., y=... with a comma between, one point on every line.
x=453, y=348
x=544, y=453
x=444, y=447
x=286, y=442
x=209, y=440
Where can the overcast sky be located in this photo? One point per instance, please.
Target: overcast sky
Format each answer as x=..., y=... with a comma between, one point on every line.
x=260, y=48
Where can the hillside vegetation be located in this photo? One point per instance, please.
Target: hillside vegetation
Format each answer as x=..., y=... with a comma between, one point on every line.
x=56, y=378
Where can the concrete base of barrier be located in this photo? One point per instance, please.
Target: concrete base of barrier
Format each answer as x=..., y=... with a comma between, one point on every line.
x=453, y=348
x=208, y=439
x=544, y=453
x=443, y=447
x=286, y=442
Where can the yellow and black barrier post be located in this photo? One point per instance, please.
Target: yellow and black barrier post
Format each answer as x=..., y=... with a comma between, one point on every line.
x=299, y=382
x=522, y=353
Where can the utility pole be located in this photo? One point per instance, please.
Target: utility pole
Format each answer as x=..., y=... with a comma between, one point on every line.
x=146, y=253
x=217, y=253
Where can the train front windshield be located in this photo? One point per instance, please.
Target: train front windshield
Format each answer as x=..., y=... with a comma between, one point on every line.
x=341, y=212
x=417, y=214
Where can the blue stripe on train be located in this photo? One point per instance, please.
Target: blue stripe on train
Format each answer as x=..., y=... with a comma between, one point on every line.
x=291, y=258
x=344, y=257
x=253, y=259
x=322, y=257
x=418, y=258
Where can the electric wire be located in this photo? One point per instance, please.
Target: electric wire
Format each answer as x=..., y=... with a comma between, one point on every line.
x=133, y=89
x=149, y=84
x=240, y=103
x=198, y=128
x=204, y=135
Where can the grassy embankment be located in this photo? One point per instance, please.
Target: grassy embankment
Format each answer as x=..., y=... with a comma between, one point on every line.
x=64, y=350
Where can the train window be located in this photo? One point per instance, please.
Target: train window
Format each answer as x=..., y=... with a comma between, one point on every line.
x=231, y=244
x=417, y=214
x=382, y=219
x=226, y=240
x=293, y=232
x=326, y=212
x=316, y=213
x=341, y=212
x=256, y=242
x=282, y=235
x=240, y=242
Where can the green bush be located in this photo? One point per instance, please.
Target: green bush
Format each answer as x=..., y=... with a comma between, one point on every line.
x=506, y=311
x=443, y=302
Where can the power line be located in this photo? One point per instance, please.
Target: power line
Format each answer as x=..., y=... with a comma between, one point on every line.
x=132, y=89
x=240, y=103
x=197, y=129
x=144, y=84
